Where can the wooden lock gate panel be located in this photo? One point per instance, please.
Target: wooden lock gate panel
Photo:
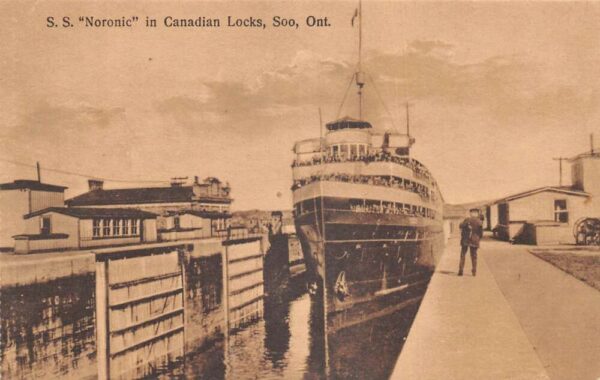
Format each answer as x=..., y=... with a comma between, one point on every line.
x=139, y=309
x=243, y=281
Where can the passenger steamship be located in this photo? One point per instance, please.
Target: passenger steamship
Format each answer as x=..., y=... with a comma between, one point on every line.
x=368, y=216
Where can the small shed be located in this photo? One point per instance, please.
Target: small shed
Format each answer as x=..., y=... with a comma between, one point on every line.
x=453, y=216
x=544, y=215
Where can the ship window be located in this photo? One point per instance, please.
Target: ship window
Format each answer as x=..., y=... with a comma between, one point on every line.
x=308, y=205
x=335, y=150
x=337, y=203
x=125, y=226
x=362, y=150
x=561, y=214
x=402, y=151
x=344, y=150
x=353, y=150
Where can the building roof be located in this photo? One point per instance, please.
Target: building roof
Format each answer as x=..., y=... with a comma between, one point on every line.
x=207, y=214
x=19, y=184
x=40, y=236
x=141, y=195
x=568, y=190
x=95, y=212
x=454, y=211
x=133, y=196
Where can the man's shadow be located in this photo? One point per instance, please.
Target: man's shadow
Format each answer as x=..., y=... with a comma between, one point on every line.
x=447, y=272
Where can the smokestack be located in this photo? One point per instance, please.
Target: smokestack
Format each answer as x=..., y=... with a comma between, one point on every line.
x=178, y=181
x=95, y=184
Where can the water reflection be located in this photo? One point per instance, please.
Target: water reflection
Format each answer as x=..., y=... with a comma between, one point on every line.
x=289, y=343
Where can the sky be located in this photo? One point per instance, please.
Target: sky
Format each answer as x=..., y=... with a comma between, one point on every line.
x=496, y=91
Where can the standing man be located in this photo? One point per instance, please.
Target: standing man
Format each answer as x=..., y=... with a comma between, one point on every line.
x=471, y=233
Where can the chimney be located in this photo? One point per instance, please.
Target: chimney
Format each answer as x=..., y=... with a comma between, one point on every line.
x=178, y=181
x=95, y=184
x=196, y=180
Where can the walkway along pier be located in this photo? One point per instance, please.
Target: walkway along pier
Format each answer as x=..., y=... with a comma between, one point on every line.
x=520, y=318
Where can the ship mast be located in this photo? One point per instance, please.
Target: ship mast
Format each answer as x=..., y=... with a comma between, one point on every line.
x=407, y=120
x=359, y=76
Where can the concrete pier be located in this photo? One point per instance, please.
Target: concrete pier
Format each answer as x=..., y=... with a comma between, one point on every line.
x=520, y=318
x=465, y=329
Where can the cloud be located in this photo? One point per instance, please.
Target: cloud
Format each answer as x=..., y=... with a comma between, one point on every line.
x=67, y=129
x=510, y=89
x=305, y=84
x=255, y=121
x=39, y=116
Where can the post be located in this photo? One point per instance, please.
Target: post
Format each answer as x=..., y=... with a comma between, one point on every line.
x=360, y=82
x=181, y=258
x=39, y=176
x=592, y=143
x=560, y=171
x=225, y=297
x=407, y=120
x=320, y=131
x=102, y=322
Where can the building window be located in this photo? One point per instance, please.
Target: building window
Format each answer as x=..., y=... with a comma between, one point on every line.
x=96, y=228
x=125, y=226
x=116, y=223
x=561, y=214
x=105, y=227
x=45, y=227
x=334, y=150
x=176, y=223
x=135, y=226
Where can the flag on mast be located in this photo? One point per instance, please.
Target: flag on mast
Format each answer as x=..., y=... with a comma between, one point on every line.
x=355, y=16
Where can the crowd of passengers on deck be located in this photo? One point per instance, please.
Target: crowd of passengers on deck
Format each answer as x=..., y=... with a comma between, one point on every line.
x=381, y=156
x=388, y=181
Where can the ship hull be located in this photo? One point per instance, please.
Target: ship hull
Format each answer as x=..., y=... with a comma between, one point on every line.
x=364, y=267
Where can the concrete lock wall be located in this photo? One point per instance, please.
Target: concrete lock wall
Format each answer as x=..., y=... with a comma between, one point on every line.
x=53, y=287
